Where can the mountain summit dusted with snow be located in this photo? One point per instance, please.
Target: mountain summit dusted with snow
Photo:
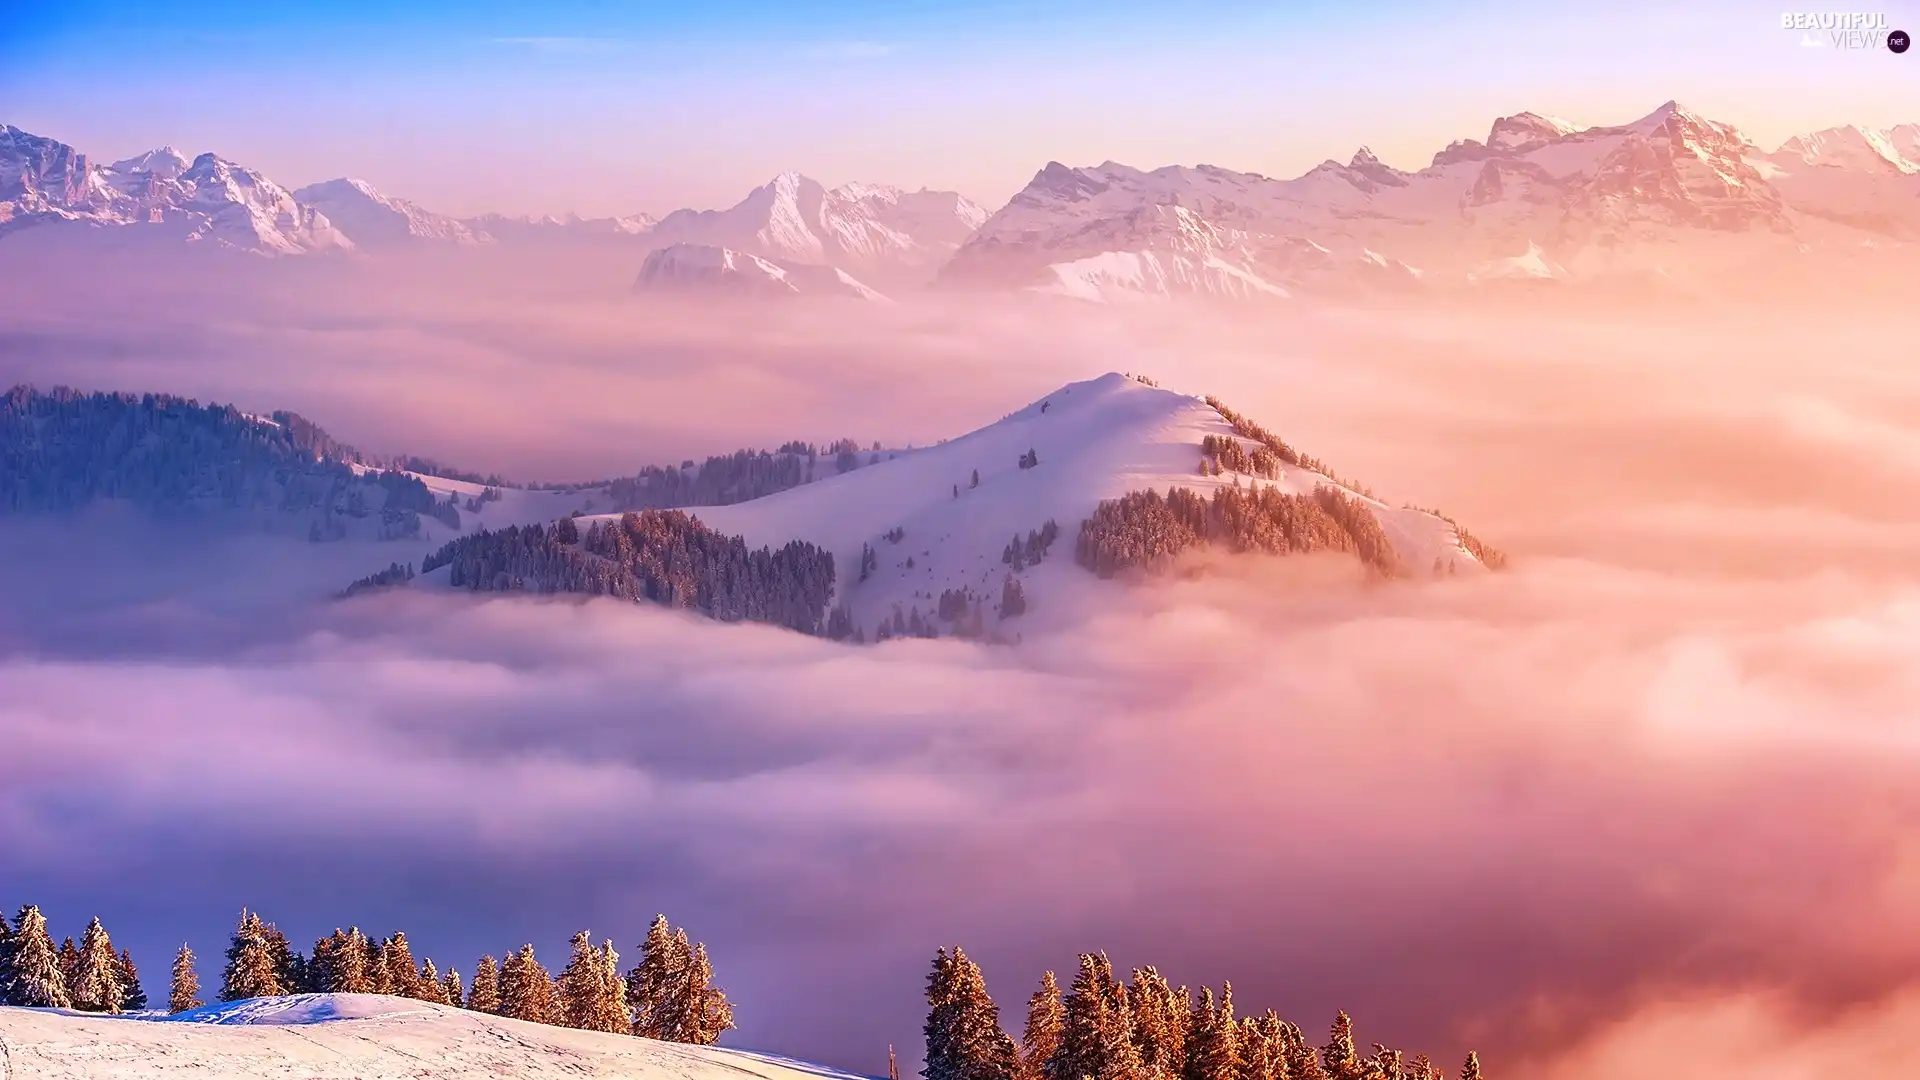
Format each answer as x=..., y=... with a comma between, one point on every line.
x=209, y=199
x=1671, y=189
x=1538, y=191
x=855, y=227
x=372, y=220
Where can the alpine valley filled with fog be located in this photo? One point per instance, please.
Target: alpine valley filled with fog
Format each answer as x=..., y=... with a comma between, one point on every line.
x=1450, y=614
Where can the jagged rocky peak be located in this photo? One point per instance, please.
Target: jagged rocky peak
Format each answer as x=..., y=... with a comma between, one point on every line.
x=1061, y=182
x=1524, y=131
x=1372, y=168
x=163, y=163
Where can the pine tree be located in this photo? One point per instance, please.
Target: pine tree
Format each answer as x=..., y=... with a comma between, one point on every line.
x=95, y=985
x=706, y=1014
x=526, y=988
x=451, y=990
x=1161, y=1016
x=399, y=974
x=32, y=977
x=1471, y=1070
x=69, y=964
x=343, y=963
x=484, y=997
x=615, y=1016
x=250, y=971
x=289, y=967
x=134, y=996
x=1097, y=1039
x=653, y=986
x=183, y=992
x=964, y=1040
x=379, y=970
x=1386, y=1063
x=1045, y=1018
x=1213, y=1044
x=428, y=984
x=584, y=993
x=1340, y=1057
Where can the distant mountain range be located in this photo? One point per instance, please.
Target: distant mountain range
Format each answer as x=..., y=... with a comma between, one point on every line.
x=1539, y=199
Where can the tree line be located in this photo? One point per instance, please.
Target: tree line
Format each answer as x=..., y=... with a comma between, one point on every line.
x=659, y=556
x=1144, y=1029
x=1145, y=530
x=724, y=479
x=90, y=976
x=63, y=449
x=668, y=994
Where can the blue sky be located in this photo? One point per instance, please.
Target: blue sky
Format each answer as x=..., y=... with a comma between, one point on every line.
x=614, y=108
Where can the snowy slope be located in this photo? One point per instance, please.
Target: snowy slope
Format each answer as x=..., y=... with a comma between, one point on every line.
x=373, y=220
x=353, y=1037
x=717, y=271
x=1095, y=440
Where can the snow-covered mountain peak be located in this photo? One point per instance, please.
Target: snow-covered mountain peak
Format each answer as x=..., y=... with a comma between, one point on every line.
x=861, y=228
x=373, y=220
x=1851, y=147
x=939, y=519
x=1525, y=130
x=164, y=163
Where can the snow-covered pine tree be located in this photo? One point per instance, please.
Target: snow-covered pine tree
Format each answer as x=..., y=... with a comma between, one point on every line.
x=289, y=967
x=1340, y=1057
x=427, y=984
x=526, y=988
x=614, y=1016
x=582, y=992
x=340, y=963
x=451, y=989
x=1097, y=1038
x=1261, y=1048
x=32, y=977
x=484, y=996
x=654, y=983
x=1161, y=1016
x=706, y=1014
x=964, y=1040
x=1213, y=1039
x=134, y=996
x=183, y=991
x=1471, y=1070
x=1385, y=1062
x=250, y=971
x=402, y=978
x=379, y=971
x=1303, y=1060
x=95, y=985
x=1422, y=1068
x=1045, y=1017
x=69, y=963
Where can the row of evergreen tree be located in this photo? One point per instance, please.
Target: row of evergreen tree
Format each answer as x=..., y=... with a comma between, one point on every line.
x=659, y=556
x=723, y=479
x=89, y=976
x=1144, y=530
x=1247, y=429
x=669, y=994
x=1145, y=1029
